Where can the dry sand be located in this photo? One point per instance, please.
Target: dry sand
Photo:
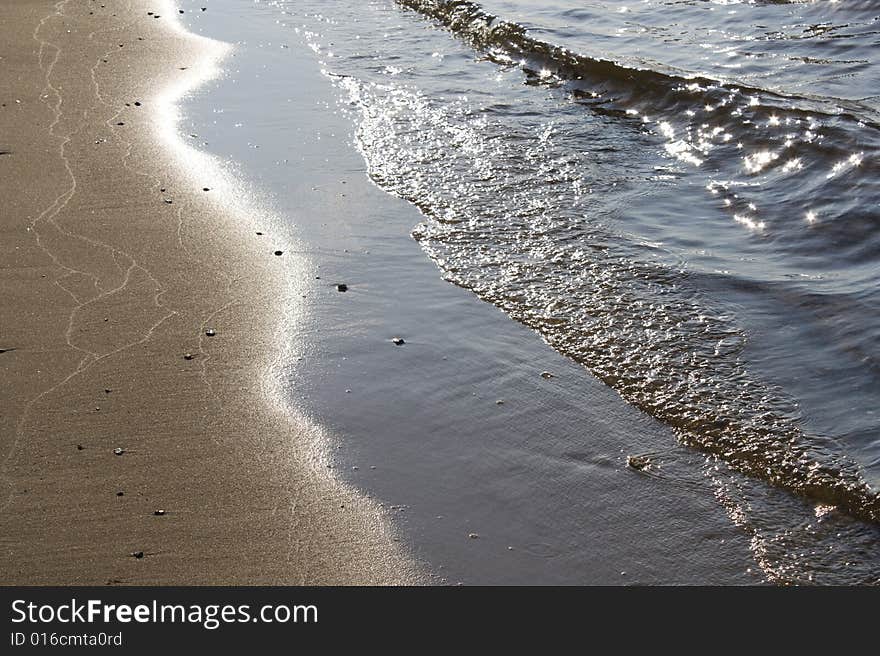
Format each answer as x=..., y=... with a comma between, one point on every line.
x=105, y=287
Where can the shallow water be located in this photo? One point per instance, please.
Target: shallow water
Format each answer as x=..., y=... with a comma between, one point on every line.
x=685, y=207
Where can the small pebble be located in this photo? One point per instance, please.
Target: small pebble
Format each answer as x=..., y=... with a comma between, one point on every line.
x=342, y=287
x=398, y=341
x=107, y=390
x=137, y=554
x=499, y=402
x=639, y=463
x=473, y=536
x=206, y=189
x=118, y=451
x=188, y=356
x=259, y=233
x=210, y=332
x=279, y=253
x=547, y=374
x=79, y=447
x=137, y=103
x=120, y=494
x=158, y=513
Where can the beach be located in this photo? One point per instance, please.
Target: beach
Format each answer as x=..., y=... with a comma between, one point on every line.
x=431, y=292
x=141, y=439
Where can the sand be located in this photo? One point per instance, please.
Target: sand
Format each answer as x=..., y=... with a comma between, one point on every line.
x=115, y=403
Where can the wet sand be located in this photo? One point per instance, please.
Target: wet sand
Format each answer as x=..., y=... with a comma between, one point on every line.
x=120, y=254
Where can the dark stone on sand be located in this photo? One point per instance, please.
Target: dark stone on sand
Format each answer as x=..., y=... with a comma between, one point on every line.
x=120, y=494
x=107, y=390
x=547, y=375
x=279, y=253
x=398, y=341
x=158, y=513
x=7, y=350
x=180, y=11
x=120, y=123
x=118, y=451
x=473, y=536
x=206, y=189
x=188, y=356
x=639, y=463
x=137, y=554
x=167, y=201
x=79, y=447
x=210, y=332
x=260, y=234
x=342, y=287
x=137, y=103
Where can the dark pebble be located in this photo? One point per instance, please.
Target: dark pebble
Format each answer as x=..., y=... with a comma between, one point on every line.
x=120, y=123
x=79, y=447
x=188, y=356
x=639, y=463
x=158, y=513
x=137, y=103
x=210, y=332
x=398, y=341
x=118, y=451
x=342, y=287
x=259, y=233
x=279, y=253
x=206, y=189
x=137, y=554
x=120, y=494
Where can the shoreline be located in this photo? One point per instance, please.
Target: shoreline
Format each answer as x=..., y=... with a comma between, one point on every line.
x=418, y=426
x=115, y=272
